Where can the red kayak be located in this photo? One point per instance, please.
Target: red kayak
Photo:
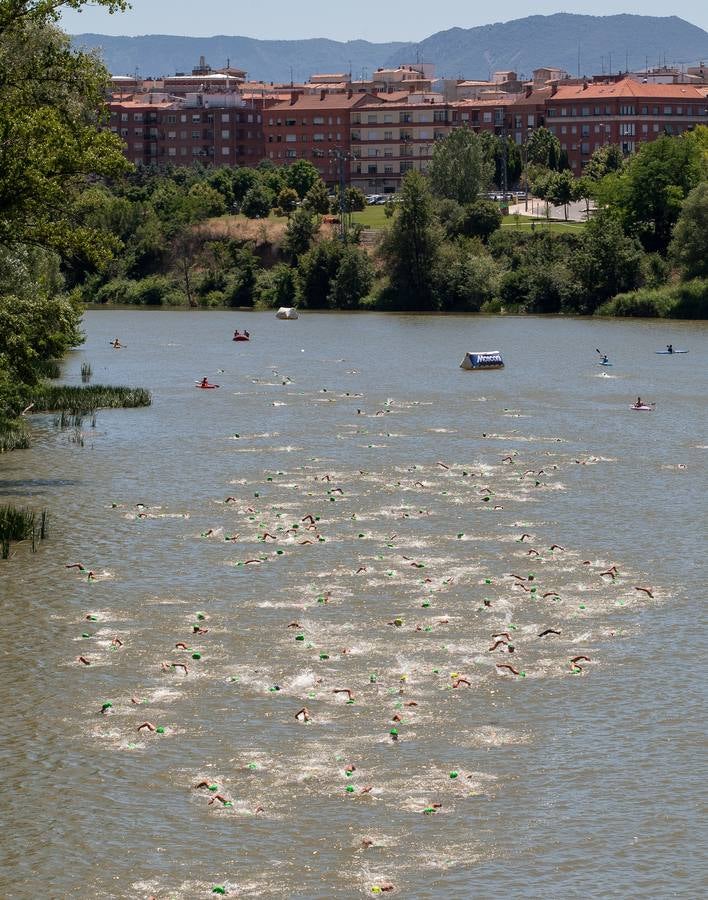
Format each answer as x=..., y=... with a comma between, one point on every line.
x=241, y=337
x=206, y=387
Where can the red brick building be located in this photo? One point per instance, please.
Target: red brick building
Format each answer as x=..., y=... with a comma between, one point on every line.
x=627, y=113
x=214, y=129
x=312, y=127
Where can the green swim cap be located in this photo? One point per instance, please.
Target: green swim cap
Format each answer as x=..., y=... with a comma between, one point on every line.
x=160, y=729
x=196, y=656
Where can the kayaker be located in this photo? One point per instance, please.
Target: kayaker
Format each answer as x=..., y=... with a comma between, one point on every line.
x=116, y=344
x=639, y=403
x=205, y=382
x=246, y=334
x=669, y=348
x=605, y=360
x=236, y=334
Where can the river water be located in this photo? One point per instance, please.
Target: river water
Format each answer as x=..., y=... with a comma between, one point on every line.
x=429, y=489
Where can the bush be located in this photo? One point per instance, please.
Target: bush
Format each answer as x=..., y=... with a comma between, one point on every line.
x=276, y=287
x=688, y=300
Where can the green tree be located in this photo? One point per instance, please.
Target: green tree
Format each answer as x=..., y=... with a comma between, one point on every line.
x=689, y=245
x=302, y=176
x=560, y=190
x=242, y=288
x=354, y=200
x=584, y=189
x=606, y=262
x=465, y=280
x=276, y=287
x=242, y=181
x=257, y=203
x=302, y=228
x=460, y=167
x=606, y=159
x=353, y=280
x=543, y=149
x=204, y=202
x=480, y=219
x=317, y=198
x=51, y=99
x=287, y=201
x=317, y=270
x=648, y=193
x=410, y=246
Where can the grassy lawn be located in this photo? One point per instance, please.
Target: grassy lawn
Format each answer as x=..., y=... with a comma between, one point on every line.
x=373, y=216
x=555, y=227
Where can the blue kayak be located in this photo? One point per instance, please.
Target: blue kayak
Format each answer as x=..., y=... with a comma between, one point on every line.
x=669, y=352
x=604, y=364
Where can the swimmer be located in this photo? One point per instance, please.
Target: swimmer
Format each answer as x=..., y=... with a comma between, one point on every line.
x=520, y=577
x=78, y=566
x=148, y=725
x=499, y=643
x=551, y=594
x=303, y=715
x=612, y=572
x=230, y=500
x=308, y=518
x=532, y=552
x=574, y=667
x=524, y=536
x=501, y=634
x=202, y=784
x=167, y=666
x=220, y=798
x=366, y=843
x=116, y=642
x=268, y=536
x=458, y=682
x=250, y=562
x=197, y=629
x=410, y=703
x=556, y=547
x=505, y=666
x=508, y=459
x=487, y=602
x=645, y=590
x=442, y=465
x=136, y=701
x=294, y=625
x=548, y=631
x=346, y=691
x=180, y=645
x=83, y=660
x=360, y=569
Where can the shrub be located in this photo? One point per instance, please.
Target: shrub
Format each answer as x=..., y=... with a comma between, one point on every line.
x=688, y=300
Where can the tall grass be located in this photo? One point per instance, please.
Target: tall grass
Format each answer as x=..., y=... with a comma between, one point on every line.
x=80, y=400
x=50, y=368
x=15, y=438
x=86, y=372
x=18, y=524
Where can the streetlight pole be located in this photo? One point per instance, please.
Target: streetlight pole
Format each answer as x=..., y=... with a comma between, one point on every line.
x=342, y=156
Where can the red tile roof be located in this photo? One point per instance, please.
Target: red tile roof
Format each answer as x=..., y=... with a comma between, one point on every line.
x=629, y=88
x=328, y=101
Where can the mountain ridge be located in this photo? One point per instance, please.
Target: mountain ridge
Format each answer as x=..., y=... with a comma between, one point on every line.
x=519, y=44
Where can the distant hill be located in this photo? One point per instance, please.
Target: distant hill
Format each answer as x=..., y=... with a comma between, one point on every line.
x=164, y=54
x=522, y=44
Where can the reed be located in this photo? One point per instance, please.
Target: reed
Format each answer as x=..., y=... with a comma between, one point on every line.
x=86, y=372
x=84, y=400
x=16, y=438
x=50, y=368
x=18, y=524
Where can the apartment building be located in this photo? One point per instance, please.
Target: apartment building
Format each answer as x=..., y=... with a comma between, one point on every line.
x=315, y=127
x=626, y=112
x=395, y=135
x=214, y=129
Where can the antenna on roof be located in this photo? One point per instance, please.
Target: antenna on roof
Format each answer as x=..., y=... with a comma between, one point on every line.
x=291, y=77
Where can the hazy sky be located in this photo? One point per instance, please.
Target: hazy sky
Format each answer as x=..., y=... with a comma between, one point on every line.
x=370, y=19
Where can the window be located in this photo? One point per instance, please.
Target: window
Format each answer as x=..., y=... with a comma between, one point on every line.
x=424, y=136
x=564, y=130
x=290, y=138
x=137, y=132
x=171, y=135
x=172, y=151
x=195, y=151
x=371, y=118
x=626, y=110
x=372, y=169
x=182, y=151
x=531, y=121
x=585, y=148
x=626, y=128
x=564, y=111
x=585, y=130
x=645, y=110
x=183, y=117
x=388, y=119
x=573, y=129
x=372, y=135
x=289, y=123
x=195, y=135
x=137, y=148
x=486, y=117
x=388, y=170
x=304, y=138
x=679, y=110
x=645, y=129
x=372, y=151
x=585, y=111
x=318, y=120
x=303, y=122
x=597, y=111
x=291, y=154
x=225, y=151
x=138, y=117
x=667, y=110
x=196, y=117
x=124, y=132
x=225, y=134
x=388, y=152
x=318, y=137
x=183, y=135
x=171, y=119
x=124, y=117
x=406, y=166
x=440, y=115
x=517, y=120
x=655, y=127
